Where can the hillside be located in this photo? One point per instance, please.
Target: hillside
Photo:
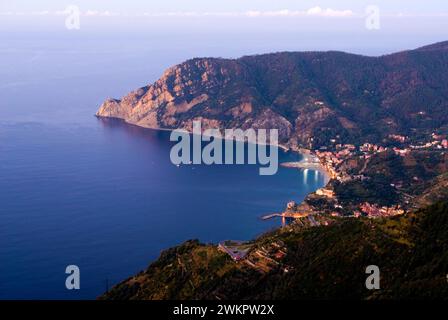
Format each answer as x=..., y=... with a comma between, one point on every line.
x=311, y=97
x=324, y=262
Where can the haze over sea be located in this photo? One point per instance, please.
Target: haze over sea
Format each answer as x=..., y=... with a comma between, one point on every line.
x=104, y=195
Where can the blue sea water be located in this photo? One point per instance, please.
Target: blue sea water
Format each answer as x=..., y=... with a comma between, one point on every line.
x=101, y=194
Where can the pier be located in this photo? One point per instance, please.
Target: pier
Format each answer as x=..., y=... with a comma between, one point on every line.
x=284, y=215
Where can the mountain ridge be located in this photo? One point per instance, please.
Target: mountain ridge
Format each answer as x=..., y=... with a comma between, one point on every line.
x=311, y=97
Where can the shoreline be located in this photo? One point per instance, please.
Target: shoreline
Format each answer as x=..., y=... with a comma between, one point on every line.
x=281, y=146
x=321, y=168
x=285, y=148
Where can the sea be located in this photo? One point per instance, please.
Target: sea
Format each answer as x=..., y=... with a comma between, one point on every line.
x=102, y=194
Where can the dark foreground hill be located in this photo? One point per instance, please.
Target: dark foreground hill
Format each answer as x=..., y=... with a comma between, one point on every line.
x=326, y=262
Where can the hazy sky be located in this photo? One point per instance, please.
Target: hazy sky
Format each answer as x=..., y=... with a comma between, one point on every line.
x=134, y=6
x=316, y=24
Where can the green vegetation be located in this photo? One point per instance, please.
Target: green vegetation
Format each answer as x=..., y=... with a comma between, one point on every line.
x=391, y=179
x=326, y=262
x=356, y=191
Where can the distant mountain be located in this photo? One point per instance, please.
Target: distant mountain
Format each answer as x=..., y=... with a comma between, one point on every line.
x=311, y=97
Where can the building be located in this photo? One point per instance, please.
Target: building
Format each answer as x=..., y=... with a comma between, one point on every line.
x=445, y=143
x=291, y=205
x=237, y=250
x=325, y=193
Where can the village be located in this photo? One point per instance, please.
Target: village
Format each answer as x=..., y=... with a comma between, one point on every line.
x=304, y=215
x=333, y=159
x=330, y=160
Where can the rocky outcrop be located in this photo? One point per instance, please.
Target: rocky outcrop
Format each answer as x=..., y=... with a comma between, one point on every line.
x=218, y=92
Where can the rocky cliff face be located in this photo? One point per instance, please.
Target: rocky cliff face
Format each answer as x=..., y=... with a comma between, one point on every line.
x=220, y=93
x=312, y=98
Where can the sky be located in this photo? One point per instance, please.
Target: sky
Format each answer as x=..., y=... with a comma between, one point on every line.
x=430, y=7
x=339, y=24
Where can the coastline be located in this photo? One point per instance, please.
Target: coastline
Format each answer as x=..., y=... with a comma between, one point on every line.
x=322, y=169
x=285, y=148
x=300, y=151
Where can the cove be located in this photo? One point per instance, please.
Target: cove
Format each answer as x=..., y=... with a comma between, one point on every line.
x=105, y=197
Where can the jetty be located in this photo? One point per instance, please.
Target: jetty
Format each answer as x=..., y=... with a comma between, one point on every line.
x=285, y=215
x=293, y=215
